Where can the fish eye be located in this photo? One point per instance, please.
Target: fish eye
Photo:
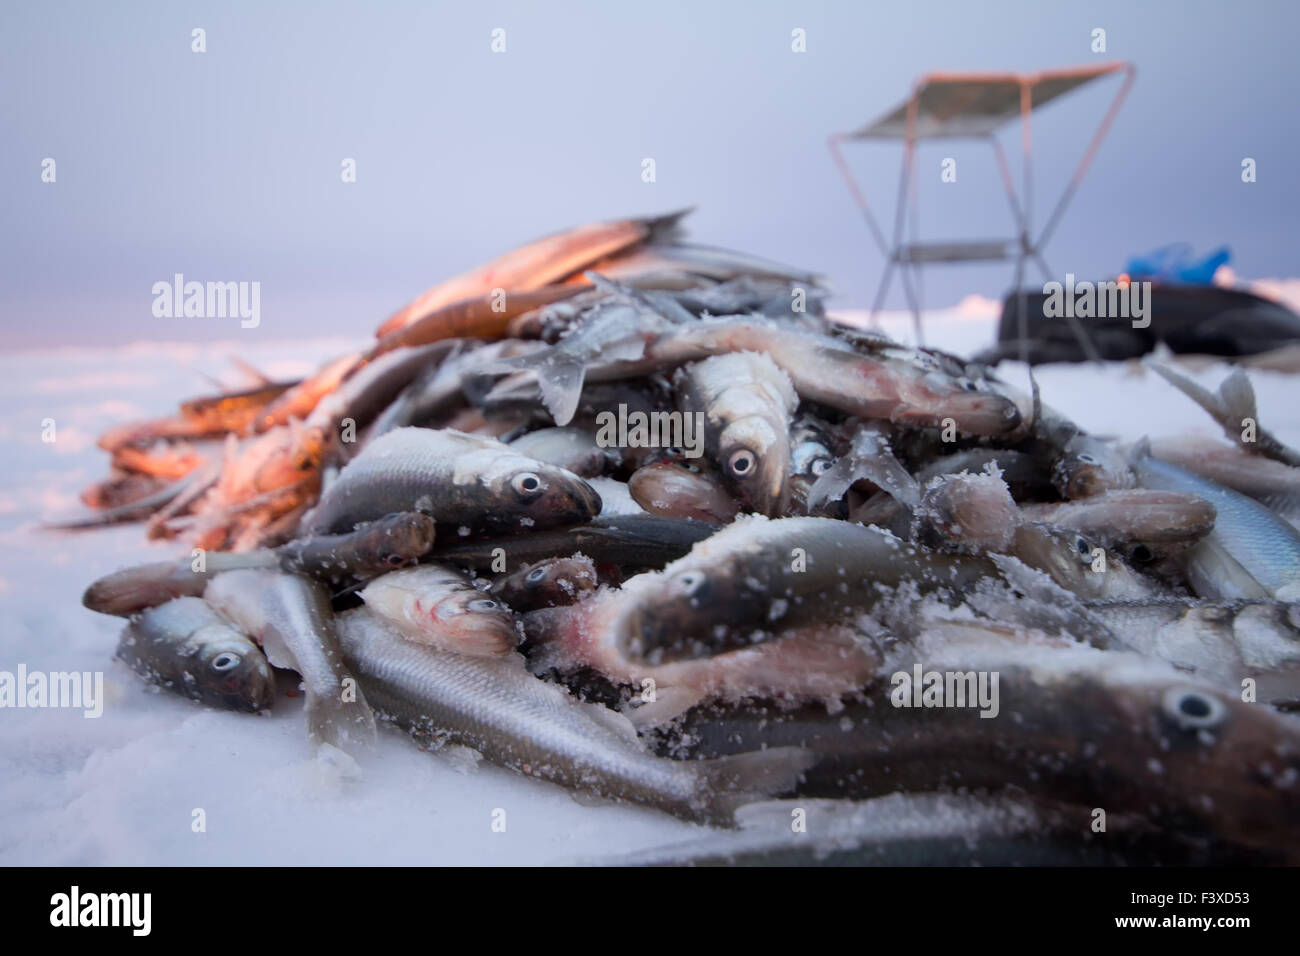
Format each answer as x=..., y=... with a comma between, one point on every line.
x=1192, y=709
x=1087, y=459
x=482, y=605
x=1141, y=554
x=1083, y=545
x=526, y=484
x=225, y=661
x=535, y=577
x=819, y=465
x=689, y=583
x=742, y=462
x=394, y=560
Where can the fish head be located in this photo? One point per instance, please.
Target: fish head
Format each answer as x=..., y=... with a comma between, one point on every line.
x=230, y=671
x=433, y=604
x=401, y=539
x=1088, y=467
x=540, y=495
x=1209, y=745
x=809, y=460
x=755, y=459
x=474, y=623
x=548, y=583
x=1063, y=555
x=688, y=612
x=966, y=513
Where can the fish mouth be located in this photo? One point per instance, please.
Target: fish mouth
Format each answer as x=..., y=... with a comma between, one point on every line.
x=585, y=502
x=251, y=692
x=477, y=636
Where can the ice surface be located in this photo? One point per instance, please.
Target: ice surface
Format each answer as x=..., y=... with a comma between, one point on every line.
x=123, y=788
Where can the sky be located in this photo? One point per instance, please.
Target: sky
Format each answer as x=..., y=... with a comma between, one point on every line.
x=225, y=165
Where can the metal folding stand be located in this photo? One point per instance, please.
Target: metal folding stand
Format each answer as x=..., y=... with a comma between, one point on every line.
x=976, y=106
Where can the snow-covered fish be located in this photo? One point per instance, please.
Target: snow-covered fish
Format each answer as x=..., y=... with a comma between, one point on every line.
x=517, y=721
x=1141, y=523
x=462, y=481
x=373, y=548
x=185, y=646
x=437, y=605
x=676, y=490
x=1087, y=466
x=1251, y=553
x=747, y=404
x=758, y=577
x=291, y=617
x=549, y=583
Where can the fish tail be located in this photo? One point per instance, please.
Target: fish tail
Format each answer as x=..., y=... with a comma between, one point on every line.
x=560, y=380
x=729, y=783
x=1237, y=400
x=347, y=725
x=1213, y=404
x=668, y=226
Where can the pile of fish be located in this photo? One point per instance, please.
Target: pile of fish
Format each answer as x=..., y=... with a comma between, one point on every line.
x=635, y=517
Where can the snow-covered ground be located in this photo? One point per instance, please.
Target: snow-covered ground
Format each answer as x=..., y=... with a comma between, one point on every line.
x=123, y=788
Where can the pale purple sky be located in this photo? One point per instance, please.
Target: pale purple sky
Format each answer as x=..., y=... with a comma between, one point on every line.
x=225, y=165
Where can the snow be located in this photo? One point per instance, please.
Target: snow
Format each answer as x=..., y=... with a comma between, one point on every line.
x=124, y=788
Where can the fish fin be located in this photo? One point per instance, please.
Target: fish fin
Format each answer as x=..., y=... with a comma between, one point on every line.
x=560, y=380
x=740, y=779
x=254, y=373
x=657, y=304
x=877, y=465
x=669, y=704
x=1237, y=399
x=613, y=721
x=1140, y=450
x=347, y=726
x=338, y=762
x=667, y=226
x=1202, y=396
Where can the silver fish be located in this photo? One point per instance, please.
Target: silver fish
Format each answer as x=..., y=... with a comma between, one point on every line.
x=517, y=721
x=1274, y=485
x=549, y=583
x=909, y=388
x=1234, y=408
x=462, y=481
x=1141, y=523
x=674, y=490
x=1221, y=642
x=437, y=605
x=1073, y=724
x=1079, y=564
x=573, y=449
x=187, y=647
x=746, y=403
x=1251, y=553
x=965, y=514
x=929, y=829
x=755, y=578
x=1087, y=466
x=869, y=458
x=291, y=617
x=373, y=548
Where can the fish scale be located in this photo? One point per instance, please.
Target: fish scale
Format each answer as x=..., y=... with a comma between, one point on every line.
x=520, y=722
